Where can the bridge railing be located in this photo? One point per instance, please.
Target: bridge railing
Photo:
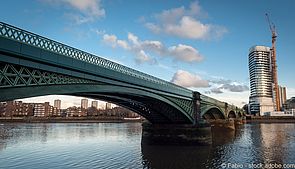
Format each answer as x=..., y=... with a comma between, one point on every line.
x=33, y=39
x=211, y=100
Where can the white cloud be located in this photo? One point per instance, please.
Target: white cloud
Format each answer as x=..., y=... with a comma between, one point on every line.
x=237, y=99
x=185, y=23
x=187, y=79
x=133, y=45
x=188, y=27
x=144, y=49
x=132, y=38
x=87, y=10
x=196, y=10
x=185, y=53
x=235, y=87
x=110, y=39
x=142, y=57
x=98, y=32
x=88, y=7
x=123, y=44
x=113, y=41
x=223, y=85
x=227, y=90
x=172, y=15
x=152, y=45
x=153, y=27
x=216, y=90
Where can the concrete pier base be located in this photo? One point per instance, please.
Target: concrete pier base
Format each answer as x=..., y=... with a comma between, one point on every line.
x=176, y=134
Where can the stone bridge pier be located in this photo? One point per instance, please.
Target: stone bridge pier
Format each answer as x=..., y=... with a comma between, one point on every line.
x=197, y=133
x=176, y=134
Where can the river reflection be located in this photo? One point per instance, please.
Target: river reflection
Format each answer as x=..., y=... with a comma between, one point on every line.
x=154, y=156
x=119, y=145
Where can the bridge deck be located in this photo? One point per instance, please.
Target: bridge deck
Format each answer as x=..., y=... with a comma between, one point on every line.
x=43, y=50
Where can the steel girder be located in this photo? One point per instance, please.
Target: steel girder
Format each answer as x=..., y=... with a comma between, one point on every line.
x=20, y=76
x=20, y=82
x=152, y=109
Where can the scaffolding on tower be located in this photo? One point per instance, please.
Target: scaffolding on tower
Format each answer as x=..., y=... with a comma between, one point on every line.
x=274, y=64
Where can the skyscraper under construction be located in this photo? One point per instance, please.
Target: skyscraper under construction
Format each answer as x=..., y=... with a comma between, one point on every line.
x=261, y=82
x=266, y=94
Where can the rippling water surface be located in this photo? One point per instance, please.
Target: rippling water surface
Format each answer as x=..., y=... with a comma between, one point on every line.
x=118, y=145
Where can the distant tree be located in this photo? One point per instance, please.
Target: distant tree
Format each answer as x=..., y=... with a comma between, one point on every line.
x=290, y=103
x=2, y=109
x=92, y=111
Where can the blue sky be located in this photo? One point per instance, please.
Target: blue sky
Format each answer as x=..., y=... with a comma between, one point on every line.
x=202, y=45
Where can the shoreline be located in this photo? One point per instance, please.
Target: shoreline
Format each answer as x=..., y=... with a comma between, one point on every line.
x=270, y=119
x=66, y=120
x=250, y=119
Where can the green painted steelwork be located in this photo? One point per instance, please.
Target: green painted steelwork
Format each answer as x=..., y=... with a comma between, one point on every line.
x=19, y=76
x=23, y=36
x=208, y=103
x=21, y=82
x=32, y=65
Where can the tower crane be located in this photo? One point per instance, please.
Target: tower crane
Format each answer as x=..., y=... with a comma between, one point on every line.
x=273, y=63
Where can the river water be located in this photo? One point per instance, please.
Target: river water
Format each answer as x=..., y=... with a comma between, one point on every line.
x=118, y=145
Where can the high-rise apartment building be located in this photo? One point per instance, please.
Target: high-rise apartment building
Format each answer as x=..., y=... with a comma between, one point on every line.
x=282, y=96
x=23, y=109
x=16, y=108
x=57, y=104
x=42, y=109
x=56, y=107
x=20, y=109
x=108, y=106
x=94, y=104
x=84, y=103
x=261, y=82
x=45, y=110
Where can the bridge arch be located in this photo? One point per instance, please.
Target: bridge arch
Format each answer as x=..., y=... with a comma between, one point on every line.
x=213, y=113
x=239, y=114
x=232, y=114
x=154, y=107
